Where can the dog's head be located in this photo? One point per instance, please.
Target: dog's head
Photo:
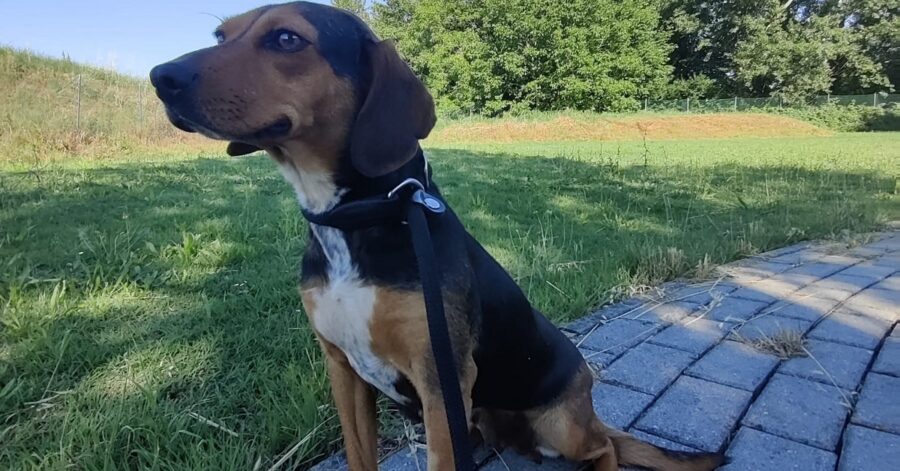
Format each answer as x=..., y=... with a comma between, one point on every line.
x=300, y=76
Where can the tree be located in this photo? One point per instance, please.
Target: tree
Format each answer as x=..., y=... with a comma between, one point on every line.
x=807, y=48
x=357, y=7
x=492, y=56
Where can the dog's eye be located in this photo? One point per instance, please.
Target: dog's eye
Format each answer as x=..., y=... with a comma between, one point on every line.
x=287, y=41
x=220, y=37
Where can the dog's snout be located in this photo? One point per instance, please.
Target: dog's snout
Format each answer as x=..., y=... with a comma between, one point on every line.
x=171, y=79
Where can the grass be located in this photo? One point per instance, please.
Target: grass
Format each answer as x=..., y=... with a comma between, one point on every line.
x=149, y=315
x=784, y=344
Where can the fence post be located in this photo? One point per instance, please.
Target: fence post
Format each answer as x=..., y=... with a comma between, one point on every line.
x=875, y=99
x=645, y=103
x=141, y=106
x=735, y=103
x=687, y=104
x=78, y=106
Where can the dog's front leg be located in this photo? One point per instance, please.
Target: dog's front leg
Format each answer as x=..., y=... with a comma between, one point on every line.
x=355, y=401
x=437, y=431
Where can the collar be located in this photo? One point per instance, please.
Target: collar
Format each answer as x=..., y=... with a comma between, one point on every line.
x=383, y=208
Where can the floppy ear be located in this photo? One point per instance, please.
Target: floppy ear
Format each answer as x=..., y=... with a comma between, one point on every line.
x=239, y=148
x=396, y=113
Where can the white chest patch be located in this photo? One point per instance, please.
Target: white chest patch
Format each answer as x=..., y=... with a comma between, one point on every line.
x=344, y=307
x=343, y=316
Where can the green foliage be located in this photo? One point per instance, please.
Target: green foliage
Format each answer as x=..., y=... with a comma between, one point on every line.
x=847, y=118
x=494, y=56
x=358, y=7
x=790, y=49
x=795, y=59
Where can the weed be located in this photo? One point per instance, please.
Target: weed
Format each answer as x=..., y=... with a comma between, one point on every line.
x=783, y=344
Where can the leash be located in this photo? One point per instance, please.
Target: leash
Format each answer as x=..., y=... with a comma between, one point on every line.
x=414, y=209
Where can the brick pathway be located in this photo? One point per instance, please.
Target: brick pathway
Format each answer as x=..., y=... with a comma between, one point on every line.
x=678, y=370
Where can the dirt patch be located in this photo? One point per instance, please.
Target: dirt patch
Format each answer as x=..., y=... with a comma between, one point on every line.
x=565, y=128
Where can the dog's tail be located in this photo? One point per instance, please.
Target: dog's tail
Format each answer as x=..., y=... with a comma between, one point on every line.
x=633, y=452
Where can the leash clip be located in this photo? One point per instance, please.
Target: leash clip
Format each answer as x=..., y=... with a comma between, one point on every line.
x=428, y=201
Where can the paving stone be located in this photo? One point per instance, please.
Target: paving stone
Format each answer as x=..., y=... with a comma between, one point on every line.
x=888, y=361
x=801, y=410
x=846, y=327
x=732, y=309
x=695, y=412
x=802, y=307
x=878, y=406
x=869, y=269
x=336, y=462
x=662, y=442
x=703, y=293
x=509, y=460
x=865, y=252
x=884, y=303
x=794, y=257
x=891, y=260
x=665, y=313
x=734, y=364
x=838, y=287
x=891, y=244
x=753, y=450
x=890, y=283
x=695, y=335
x=406, y=459
x=866, y=449
x=753, y=270
x=583, y=325
x=843, y=259
x=597, y=358
x=767, y=291
x=618, y=406
x=768, y=326
x=843, y=364
x=821, y=268
x=648, y=368
x=616, y=311
x=618, y=336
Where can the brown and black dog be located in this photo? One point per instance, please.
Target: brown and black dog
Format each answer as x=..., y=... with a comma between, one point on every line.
x=342, y=114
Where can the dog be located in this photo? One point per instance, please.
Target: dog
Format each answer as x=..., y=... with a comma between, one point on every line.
x=341, y=114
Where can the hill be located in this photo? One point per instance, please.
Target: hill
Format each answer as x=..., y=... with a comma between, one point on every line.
x=56, y=107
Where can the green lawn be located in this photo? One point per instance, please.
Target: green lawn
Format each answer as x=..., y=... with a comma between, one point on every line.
x=142, y=301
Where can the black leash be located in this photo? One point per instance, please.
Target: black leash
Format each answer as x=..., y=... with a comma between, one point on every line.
x=444, y=359
x=414, y=209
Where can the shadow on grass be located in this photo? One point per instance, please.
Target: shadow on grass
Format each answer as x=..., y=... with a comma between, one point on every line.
x=166, y=262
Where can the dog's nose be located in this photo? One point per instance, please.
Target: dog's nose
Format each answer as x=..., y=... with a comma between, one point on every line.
x=171, y=78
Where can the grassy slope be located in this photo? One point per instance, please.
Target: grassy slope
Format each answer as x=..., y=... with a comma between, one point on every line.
x=43, y=116
x=134, y=295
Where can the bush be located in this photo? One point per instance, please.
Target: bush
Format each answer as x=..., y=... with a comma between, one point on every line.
x=847, y=118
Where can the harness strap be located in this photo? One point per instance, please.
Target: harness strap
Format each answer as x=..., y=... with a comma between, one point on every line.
x=441, y=347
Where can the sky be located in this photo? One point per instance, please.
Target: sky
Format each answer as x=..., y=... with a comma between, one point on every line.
x=130, y=36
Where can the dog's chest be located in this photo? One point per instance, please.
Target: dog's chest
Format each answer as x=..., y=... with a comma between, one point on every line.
x=341, y=312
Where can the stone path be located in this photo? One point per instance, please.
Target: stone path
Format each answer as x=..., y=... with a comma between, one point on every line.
x=679, y=369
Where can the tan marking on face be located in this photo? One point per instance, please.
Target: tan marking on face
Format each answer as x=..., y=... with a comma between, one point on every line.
x=245, y=87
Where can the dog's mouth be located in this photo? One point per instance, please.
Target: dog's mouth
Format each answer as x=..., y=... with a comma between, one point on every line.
x=279, y=128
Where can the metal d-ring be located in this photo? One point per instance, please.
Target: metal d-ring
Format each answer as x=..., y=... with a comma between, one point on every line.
x=404, y=183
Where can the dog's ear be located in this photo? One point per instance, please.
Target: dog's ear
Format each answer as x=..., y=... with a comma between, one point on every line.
x=239, y=148
x=396, y=112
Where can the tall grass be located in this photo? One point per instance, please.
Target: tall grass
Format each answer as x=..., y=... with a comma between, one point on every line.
x=57, y=108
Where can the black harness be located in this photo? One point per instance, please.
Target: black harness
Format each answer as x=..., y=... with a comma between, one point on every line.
x=409, y=202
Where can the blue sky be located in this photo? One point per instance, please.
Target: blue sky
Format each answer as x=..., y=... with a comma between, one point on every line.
x=127, y=35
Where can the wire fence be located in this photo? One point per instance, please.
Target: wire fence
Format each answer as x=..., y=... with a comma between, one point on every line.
x=699, y=105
